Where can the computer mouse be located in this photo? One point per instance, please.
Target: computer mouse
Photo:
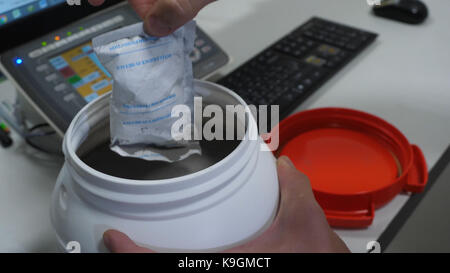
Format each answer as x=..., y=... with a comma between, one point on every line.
x=407, y=11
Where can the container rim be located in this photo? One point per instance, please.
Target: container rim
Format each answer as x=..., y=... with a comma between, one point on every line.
x=71, y=155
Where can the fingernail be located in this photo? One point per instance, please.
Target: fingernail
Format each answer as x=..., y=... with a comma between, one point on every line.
x=106, y=239
x=158, y=28
x=285, y=161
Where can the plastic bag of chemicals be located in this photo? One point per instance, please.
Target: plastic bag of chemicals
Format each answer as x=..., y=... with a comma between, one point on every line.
x=151, y=75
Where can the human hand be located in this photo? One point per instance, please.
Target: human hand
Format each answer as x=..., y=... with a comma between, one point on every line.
x=300, y=225
x=162, y=17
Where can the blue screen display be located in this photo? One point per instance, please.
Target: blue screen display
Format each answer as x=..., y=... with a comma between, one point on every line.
x=11, y=10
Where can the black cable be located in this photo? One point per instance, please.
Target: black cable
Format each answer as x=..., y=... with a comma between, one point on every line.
x=41, y=126
x=37, y=147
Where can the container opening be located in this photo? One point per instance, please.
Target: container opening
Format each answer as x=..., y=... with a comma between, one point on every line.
x=95, y=152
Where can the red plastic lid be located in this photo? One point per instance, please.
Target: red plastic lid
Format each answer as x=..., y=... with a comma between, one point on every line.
x=356, y=162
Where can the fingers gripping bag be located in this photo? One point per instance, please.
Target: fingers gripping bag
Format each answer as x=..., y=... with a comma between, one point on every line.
x=151, y=75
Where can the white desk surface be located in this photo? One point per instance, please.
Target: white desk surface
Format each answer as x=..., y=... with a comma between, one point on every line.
x=404, y=77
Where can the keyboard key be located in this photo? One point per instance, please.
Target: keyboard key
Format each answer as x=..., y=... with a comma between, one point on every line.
x=314, y=60
x=272, y=59
x=299, y=89
x=297, y=76
x=318, y=75
x=307, y=82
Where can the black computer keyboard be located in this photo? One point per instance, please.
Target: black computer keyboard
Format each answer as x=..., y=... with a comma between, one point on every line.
x=294, y=67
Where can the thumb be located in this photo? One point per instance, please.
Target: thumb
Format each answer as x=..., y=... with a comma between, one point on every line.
x=118, y=242
x=293, y=183
x=96, y=2
x=297, y=197
x=166, y=16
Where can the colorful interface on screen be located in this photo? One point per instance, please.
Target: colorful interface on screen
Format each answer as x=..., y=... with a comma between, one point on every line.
x=11, y=10
x=82, y=69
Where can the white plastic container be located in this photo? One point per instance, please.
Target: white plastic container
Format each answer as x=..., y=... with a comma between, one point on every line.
x=221, y=206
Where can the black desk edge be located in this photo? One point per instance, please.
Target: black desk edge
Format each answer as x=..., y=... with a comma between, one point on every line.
x=402, y=216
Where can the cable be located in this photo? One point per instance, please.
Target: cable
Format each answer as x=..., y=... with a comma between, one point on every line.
x=40, y=126
x=29, y=137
